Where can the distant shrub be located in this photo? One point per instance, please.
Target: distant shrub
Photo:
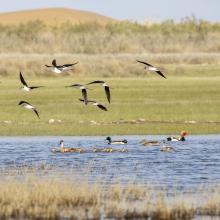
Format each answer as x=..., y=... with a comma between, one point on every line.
x=27, y=31
x=190, y=34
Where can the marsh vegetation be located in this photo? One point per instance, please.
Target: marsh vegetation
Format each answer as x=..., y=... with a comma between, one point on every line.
x=36, y=198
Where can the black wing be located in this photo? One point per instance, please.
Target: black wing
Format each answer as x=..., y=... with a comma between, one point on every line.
x=102, y=107
x=71, y=64
x=84, y=94
x=144, y=63
x=75, y=85
x=88, y=101
x=23, y=102
x=36, y=112
x=35, y=87
x=54, y=63
x=160, y=73
x=48, y=66
x=22, y=80
x=97, y=81
x=107, y=92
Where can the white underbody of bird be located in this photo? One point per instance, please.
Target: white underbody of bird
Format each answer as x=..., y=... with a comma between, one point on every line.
x=60, y=68
x=25, y=87
x=151, y=68
x=28, y=106
x=110, y=141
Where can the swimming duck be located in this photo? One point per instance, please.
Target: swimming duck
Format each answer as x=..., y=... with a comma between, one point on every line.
x=109, y=150
x=67, y=150
x=166, y=148
x=180, y=138
x=96, y=150
x=116, y=142
x=151, y=68
x=149, y=143
x=105, y=149
x=123, y=150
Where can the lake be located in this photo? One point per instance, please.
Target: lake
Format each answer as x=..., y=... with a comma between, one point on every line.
x=195, y=161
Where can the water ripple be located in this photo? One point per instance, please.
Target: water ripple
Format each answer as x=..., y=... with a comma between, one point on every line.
x=196, y=161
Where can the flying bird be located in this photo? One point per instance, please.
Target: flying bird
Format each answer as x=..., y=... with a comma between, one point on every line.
x=60, y=68
x=106, y=87
x=25, y=85
x=83, y=89
x=102, y=107
x=151, y=68
x=27, y=105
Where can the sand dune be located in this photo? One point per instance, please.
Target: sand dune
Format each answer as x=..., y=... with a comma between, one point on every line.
x=53, y=16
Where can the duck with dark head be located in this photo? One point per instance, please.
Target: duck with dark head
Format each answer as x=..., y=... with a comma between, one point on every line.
x=110, y=141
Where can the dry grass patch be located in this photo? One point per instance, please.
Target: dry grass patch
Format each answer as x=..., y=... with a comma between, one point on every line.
x=55, y=199
x=91, y=37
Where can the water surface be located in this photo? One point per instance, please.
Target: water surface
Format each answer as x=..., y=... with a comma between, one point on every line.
x=195, y=161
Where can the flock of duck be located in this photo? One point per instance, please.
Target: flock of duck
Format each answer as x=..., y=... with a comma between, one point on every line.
x=164, y=148
x=66, y=67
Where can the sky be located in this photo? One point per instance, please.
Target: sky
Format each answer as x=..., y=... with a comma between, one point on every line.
x=136, y=10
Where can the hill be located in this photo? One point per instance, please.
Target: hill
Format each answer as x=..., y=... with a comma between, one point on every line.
x=53, y=16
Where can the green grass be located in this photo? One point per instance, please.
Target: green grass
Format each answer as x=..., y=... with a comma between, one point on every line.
x=167, y=106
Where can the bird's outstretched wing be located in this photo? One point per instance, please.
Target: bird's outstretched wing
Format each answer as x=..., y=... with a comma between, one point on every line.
x=160, y=73
x=144, y=63
x=97, y=81
x=35, y=87
x=36, y=112
x=22, y=80
x=102, y=107
x=84, y=95
x=24, y=102
x=107, y=92
x=75, y=85
x=54, y=63
x=68, y=65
